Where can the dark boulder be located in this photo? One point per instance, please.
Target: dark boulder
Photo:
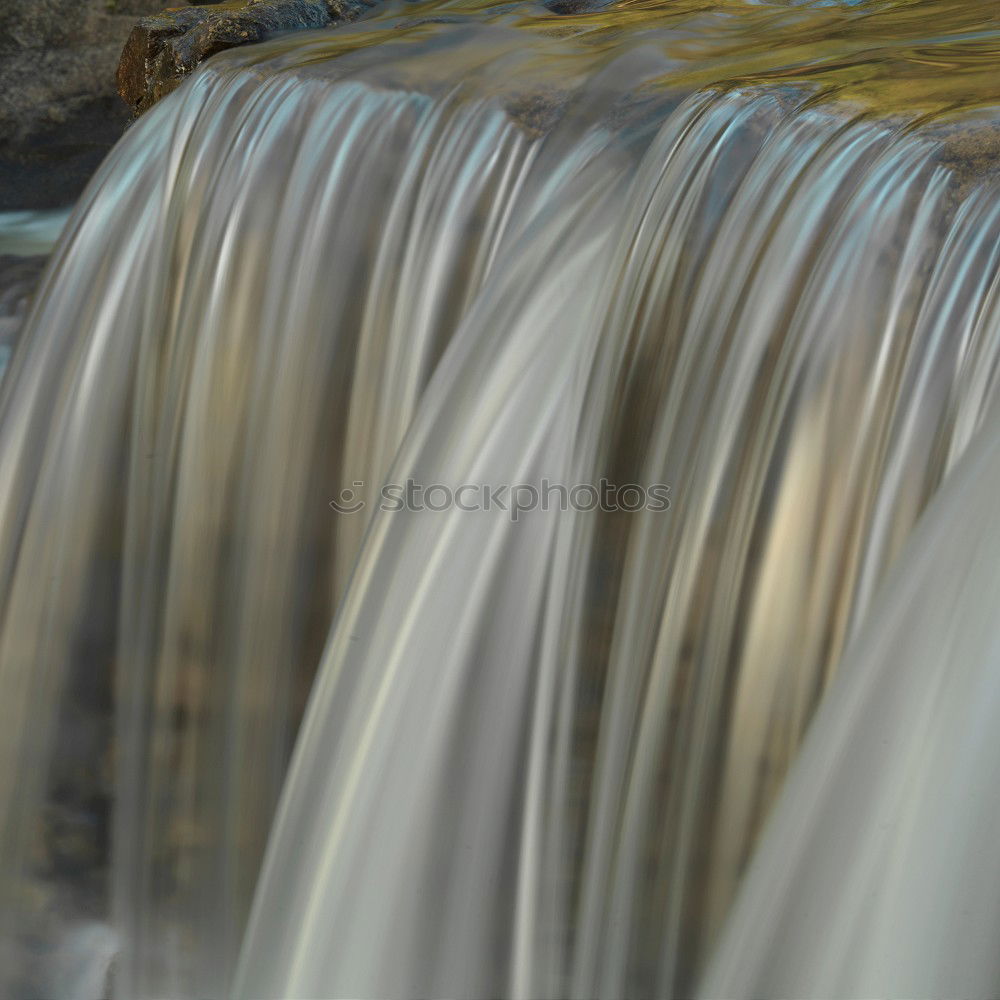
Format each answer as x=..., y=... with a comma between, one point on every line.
x=165, y=48
x=58, y=111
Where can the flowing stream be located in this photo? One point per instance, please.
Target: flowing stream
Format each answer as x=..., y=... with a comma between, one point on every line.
x=264, y=734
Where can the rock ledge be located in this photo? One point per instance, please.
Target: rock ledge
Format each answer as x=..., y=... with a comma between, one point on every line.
x=165, y=48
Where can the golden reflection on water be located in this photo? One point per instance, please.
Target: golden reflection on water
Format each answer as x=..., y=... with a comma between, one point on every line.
x=922, y=58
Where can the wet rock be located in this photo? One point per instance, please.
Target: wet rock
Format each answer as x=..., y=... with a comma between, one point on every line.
x=166, y=47
x=536, y=112
x=970, y=149
x=58, y=111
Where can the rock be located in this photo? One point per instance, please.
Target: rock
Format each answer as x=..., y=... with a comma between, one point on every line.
x=970, y=149
x=58, y=110
x=165, y=48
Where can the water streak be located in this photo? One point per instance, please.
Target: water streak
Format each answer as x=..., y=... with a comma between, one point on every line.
x=878, y=873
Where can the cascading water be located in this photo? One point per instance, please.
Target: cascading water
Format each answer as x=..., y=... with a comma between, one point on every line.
x=480, y=247
x=890, y=813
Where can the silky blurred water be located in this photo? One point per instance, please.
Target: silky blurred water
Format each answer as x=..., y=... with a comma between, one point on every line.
x=25, y=234
x=251, y=745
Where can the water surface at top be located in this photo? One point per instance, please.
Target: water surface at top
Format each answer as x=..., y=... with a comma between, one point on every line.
x=921, y=58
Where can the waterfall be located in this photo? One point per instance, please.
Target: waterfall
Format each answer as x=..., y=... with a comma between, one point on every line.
x=283, y=747
x=888, y=819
